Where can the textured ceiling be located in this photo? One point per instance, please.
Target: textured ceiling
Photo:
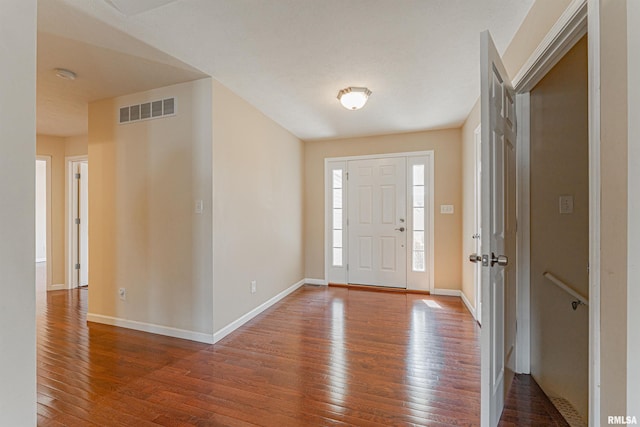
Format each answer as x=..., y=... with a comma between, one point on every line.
x=289, y=58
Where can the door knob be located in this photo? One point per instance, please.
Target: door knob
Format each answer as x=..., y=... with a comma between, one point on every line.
x=501, y=260
x=475, y=257
x=401, y=229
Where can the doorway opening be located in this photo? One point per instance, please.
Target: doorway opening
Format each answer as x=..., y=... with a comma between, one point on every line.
x=78, y=221
x=43, y=223
x=379, y=220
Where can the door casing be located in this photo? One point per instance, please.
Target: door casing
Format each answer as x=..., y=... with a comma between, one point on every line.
x=72, y=279
x=427, y=282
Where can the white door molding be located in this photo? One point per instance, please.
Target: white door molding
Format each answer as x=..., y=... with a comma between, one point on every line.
x=338, y=274
x=564, y=34
x=580, y=17
x=594, y=211
x=71, y=274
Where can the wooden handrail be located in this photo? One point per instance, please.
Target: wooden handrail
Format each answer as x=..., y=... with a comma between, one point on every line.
x=564, y=286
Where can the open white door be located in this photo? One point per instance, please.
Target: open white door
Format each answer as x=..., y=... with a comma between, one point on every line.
x=498, y=134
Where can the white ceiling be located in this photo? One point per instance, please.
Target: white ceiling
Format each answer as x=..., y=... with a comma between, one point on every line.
x=289, y=58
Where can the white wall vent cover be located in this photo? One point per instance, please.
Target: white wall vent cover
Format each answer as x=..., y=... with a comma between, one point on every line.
x=148, y=110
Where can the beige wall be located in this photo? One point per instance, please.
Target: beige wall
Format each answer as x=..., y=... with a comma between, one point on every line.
x=447, y=156
x=559, y=165
x=76, y=145
x=613, y=221
x=258, y=196
x=633, y=256
x=541, y=17
x=468, y=202
x=144, y=235
x=58, y=148
x=54, y=147
x=17, y=193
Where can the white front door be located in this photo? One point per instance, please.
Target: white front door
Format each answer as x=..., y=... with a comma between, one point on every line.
x=498, y=133
x=377, y=222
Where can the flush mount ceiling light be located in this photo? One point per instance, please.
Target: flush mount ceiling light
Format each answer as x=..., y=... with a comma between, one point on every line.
x=354, y=98
x=63, y=73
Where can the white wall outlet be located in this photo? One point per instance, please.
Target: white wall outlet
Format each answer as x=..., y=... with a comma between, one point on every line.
x=254, y=287
x=446, y=209
x=566, y=204
x=122, y=293
x=198, y=207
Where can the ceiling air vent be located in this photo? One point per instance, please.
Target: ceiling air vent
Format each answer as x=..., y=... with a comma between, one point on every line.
x=148, y=110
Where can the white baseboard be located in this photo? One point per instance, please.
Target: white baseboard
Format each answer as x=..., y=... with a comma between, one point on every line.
x=468, y=304
x=217, y=336
x=57, y=287
x=320, y=282
x=446, y=292
x=151, y=328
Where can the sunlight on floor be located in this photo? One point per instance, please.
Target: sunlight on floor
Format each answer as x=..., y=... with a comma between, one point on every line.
x=431, y=304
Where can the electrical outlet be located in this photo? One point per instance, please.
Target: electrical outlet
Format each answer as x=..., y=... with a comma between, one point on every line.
x=566, y=204
x=254, y=287
x=122, y=293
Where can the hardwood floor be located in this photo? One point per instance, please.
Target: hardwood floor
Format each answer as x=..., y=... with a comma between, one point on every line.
x=527, y=405
x=323, y=356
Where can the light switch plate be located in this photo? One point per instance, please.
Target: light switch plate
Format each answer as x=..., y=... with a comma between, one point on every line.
x=199, y=207
x=566, y=204
x=446, y=209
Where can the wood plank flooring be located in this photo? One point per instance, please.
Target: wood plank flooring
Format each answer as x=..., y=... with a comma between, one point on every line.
x=323, y=356
x=527, y=405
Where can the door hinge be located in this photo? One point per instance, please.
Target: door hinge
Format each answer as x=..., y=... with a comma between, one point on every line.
x=77, y=266
x=347, y=175
x=77, y=221
x=77, y=176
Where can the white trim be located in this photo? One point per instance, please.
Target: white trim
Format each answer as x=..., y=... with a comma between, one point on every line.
x=477, y=220
x=379, y=156
x=633, y=228
x=150, y=328
x=39, y=260
x=57, y=287
x=71, y=277
x=47, y=160
x=217, y=336
x=446, y=292
x=429, y=163
x=432, y=209
x=570, y=27
x=594, y=211
x=319, y=282
x=523, y=249
x=564, y=34
x=466, y=302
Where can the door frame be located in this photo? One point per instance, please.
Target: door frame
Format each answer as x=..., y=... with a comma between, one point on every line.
x=47, y=160
x=579, y=18
x=72, y=277
x=477, y=218
x=430, y=187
